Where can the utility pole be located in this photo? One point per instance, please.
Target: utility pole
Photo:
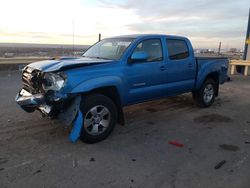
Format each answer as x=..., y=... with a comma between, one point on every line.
x=99, y=37
x=246, y=55
x=219, y=48
x=73, y=37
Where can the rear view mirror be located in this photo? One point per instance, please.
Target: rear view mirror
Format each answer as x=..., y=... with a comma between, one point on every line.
x=139, y=56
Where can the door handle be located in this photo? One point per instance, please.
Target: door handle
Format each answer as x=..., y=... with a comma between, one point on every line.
x=190, y=65
x=162, y=68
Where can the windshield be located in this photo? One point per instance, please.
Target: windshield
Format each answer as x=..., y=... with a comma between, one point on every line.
x=108, y=48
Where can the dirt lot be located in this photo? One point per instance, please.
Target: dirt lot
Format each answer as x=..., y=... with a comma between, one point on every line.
x=36, y=152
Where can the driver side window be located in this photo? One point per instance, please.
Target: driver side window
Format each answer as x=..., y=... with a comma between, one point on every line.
x=152, y=47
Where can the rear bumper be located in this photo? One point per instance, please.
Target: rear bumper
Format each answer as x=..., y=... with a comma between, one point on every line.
x=30, y=103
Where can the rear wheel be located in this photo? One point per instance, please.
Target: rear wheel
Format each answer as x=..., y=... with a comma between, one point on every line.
x=100, y=117
x=206, y=95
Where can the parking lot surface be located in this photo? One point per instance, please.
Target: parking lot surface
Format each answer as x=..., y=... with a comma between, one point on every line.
x=36, y=152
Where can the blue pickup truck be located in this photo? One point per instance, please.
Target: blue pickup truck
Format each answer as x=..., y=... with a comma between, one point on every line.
x=89, y=93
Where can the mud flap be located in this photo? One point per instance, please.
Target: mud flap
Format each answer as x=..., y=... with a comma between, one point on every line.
x=77, y=127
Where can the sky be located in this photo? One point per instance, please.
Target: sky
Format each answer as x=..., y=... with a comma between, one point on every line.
x=205, y=22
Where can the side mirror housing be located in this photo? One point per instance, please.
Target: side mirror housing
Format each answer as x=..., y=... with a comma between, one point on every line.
x=139, y=56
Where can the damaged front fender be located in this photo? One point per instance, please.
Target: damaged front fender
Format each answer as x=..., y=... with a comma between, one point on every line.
x=68, y=115
x=73, y=115
x=77, y=127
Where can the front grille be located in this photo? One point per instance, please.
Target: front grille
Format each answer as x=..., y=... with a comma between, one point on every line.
x=31, y=80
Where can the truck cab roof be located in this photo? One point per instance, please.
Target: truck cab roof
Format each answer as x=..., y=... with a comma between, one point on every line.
x=137, y=36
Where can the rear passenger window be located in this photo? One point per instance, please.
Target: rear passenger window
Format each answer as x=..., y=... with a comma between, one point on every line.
x=177, y=49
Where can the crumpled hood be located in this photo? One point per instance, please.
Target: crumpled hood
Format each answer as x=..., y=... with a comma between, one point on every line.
x=66, y=63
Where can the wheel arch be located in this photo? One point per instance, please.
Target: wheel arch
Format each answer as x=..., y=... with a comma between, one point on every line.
x=113, y=93
x=214, y=76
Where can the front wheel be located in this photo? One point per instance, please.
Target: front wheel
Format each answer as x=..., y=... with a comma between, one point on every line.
x=100, y=116
x=206, y=95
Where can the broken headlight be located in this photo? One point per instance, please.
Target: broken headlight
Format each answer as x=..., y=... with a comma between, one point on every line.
x=53, y=81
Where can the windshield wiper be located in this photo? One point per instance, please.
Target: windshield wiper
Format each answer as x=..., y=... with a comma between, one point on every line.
x=103, y=58
x=97, y=57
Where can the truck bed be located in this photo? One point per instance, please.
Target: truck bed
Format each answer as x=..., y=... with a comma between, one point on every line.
x=216, y=63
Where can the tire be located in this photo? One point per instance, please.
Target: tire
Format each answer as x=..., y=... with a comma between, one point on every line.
x=205, y=96
x=100, y=117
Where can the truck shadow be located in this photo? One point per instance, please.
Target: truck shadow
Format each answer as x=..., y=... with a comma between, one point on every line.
x=173, y=104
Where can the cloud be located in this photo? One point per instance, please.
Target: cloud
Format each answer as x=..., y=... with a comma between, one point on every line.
x=224, y=20
x=47, y=21
x=48, y=18
x=204, y=8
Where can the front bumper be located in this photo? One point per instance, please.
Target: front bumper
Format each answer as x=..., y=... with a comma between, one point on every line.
x=30, y=103
x=69, y=115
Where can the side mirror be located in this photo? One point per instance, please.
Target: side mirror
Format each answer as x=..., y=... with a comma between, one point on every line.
x=139, y=56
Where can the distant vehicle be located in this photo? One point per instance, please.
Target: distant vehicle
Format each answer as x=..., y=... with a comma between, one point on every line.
x=90, y=92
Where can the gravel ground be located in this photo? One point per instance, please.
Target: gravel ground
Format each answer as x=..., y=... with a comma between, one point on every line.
x=36, y=152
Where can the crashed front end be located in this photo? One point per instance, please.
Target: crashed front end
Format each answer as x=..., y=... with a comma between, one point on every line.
x=42, y=91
